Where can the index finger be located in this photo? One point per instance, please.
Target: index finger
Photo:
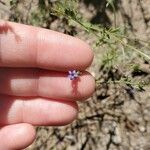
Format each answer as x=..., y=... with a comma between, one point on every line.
x=28, y=46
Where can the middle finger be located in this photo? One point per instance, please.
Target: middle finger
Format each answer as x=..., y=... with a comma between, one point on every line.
x=44, y=83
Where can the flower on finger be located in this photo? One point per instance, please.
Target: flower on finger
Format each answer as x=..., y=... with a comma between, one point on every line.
x=73, y=74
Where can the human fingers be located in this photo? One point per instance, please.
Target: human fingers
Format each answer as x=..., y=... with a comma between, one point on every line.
x=44, y=83
x=17, y=136
x=28, y=46
x=36, y=111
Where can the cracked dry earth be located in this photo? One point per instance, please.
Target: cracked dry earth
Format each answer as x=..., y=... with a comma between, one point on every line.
x=114, y=118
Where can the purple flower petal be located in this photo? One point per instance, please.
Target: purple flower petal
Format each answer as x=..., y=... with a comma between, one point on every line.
x=76, y=75
x=74, y=71
x=70, y=72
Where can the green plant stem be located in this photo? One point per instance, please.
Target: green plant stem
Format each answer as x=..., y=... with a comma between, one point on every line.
x=131, y=47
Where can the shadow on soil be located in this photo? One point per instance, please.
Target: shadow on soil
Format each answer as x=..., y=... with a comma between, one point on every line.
x=101, y=16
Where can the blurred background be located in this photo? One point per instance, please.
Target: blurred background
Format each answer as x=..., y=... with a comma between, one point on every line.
x=117, y=116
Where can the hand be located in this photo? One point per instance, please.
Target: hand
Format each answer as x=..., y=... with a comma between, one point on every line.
x=34, y=87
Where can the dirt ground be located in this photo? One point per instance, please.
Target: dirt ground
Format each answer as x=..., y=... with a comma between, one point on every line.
x=113, y=118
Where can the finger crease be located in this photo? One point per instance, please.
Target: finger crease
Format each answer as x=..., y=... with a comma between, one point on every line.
x=23, y=111
x=37, y=82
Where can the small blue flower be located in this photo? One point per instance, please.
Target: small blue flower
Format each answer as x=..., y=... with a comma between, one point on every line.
x=73, y=74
